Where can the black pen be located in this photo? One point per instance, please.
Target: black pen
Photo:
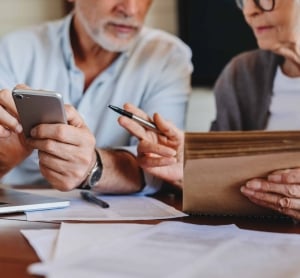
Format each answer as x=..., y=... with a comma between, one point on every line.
x=91, y=197
x=136, y=118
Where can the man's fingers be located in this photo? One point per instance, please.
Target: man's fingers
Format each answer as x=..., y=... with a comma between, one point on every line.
x=150, y=162
x=172, y=135
x=146, y=147
x=8, y=112
x=22, y=86
x=4, y=132
x=133, y=127
x=138, y=112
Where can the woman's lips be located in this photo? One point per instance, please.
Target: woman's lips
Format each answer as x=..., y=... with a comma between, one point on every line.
x=262, y=29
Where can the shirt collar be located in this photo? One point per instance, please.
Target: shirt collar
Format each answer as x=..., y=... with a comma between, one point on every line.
x=66, y=42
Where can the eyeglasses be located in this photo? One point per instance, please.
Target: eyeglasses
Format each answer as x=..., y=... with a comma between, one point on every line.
x=264, y=5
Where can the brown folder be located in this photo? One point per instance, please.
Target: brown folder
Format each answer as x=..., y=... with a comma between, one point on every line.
x=217, y=164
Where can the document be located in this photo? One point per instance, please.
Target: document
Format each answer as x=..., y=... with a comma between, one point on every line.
x=217, y=164
x=42, y=241
x=123, y=207
x=50, y=244
x=174, y=249
x=95, y=235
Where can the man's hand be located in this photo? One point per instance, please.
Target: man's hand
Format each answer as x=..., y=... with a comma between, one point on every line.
x=280, y=192
x=13, y=148
x=66, y=151
x=159, y=155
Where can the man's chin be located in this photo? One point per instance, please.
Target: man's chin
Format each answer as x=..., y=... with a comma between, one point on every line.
x=117, y=46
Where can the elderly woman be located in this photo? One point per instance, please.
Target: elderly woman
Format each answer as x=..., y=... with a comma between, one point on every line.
x=257, y=90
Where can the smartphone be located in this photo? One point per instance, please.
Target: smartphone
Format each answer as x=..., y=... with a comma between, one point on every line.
x=37, y=107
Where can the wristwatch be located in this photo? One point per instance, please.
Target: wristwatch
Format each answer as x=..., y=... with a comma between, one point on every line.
x=94, y=175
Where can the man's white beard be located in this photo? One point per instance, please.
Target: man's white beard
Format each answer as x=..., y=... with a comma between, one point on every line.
x=107, y=41
x=112, y=44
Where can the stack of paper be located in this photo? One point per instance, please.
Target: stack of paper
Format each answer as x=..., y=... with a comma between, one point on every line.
x=169, y=249
x=121, y=208
x=217, y=164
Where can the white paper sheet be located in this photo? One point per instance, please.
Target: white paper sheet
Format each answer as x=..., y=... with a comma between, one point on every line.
x=77, y=238
x=43, y=242
x=71, y=238
x=121, y=208
x=174, y=249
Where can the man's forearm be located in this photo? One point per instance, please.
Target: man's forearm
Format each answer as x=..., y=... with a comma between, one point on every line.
x=121, y=173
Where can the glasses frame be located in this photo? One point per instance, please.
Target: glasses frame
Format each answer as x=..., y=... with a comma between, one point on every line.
x=240, y=4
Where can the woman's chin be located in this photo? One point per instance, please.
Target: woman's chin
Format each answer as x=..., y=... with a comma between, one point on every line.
x=266, y=45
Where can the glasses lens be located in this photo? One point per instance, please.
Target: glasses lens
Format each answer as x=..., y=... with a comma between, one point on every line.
x=266, y=5
x=240, y=3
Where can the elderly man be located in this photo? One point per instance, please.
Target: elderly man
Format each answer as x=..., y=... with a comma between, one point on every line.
x=100, y=54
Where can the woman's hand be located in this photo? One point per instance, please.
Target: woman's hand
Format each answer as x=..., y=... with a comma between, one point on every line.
x=280, y=191
x=161, y=154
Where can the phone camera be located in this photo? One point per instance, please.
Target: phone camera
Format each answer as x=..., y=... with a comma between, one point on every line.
x=19, y=96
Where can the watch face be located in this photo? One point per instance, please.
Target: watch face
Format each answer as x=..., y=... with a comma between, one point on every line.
x=95, y=177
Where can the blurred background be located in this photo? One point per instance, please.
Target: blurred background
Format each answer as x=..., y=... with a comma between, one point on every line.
x=214, y=29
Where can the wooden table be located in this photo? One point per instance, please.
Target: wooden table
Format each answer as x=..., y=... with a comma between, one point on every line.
x=16, y=254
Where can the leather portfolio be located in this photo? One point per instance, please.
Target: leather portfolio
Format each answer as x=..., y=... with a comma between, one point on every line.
x=217, y=164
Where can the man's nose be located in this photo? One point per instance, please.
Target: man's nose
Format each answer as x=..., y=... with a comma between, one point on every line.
x=129, y=7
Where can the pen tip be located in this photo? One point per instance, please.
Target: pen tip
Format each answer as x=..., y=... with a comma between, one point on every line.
x=113, y=107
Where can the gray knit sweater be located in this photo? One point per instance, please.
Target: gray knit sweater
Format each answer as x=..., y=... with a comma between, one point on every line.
x=243, y=91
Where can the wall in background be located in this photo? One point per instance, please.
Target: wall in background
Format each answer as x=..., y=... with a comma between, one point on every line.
x=163, y=15
x=216, y=31
x=20, y=13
